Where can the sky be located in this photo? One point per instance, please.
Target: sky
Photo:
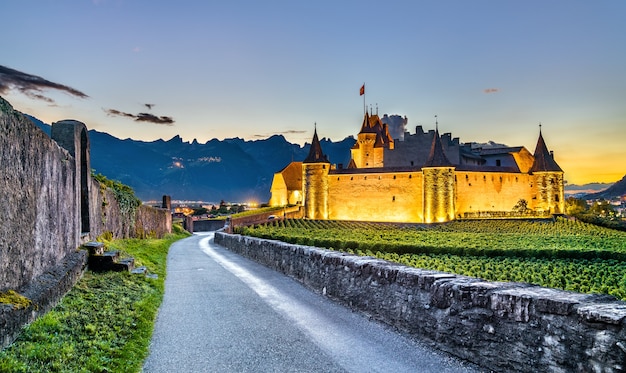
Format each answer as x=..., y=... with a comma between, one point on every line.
x=489, y=70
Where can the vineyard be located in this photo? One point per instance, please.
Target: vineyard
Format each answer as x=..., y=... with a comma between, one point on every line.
x=563, y=254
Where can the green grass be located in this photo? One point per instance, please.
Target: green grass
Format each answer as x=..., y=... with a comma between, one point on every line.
x=104, y=324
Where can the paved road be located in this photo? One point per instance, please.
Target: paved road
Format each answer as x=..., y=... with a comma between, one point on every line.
x=224, y=313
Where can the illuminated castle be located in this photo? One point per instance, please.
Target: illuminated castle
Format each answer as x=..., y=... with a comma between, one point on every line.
x=425, y=178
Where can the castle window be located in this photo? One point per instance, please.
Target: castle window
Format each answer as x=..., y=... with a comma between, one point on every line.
x=394, y=177
x=364, y=177
x=556, y=197
x=484, y=177
x=393, y=198
x=323, y=167
x=498, y=162
x=351, y=177
x=516, y=179
x=411, y=176
x=337, y=179
x=466, y=177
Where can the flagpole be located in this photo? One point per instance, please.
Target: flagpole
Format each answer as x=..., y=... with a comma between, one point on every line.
x=364, y=106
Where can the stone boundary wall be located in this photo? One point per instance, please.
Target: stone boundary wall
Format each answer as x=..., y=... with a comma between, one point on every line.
x=506, y=327
x=106, y=217
x=49, y=205
x=207, y=225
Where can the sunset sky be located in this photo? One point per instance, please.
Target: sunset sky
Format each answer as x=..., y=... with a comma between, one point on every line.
x=490, y=70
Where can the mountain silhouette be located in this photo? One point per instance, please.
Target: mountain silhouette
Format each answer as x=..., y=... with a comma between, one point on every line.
x=616, y=190
x=234, y=170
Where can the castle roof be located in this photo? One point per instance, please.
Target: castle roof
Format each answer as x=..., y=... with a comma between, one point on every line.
x=373, y=124
x=543, y=159
x=315, y=153
x=292, y=175
x=504, y=150
x=352, y=164
x=437, y=158
x=366, y=127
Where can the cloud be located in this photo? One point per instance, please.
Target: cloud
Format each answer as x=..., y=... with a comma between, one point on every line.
x=288, y=132
x=491, y=90
x=141, y=117
x=32, y=85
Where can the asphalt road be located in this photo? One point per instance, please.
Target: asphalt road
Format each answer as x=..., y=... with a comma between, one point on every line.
x=224, y=313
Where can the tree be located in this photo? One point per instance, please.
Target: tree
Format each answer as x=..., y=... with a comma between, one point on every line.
x=521, y=206
x=575, y=206
x=199, y=211
x=603, y=209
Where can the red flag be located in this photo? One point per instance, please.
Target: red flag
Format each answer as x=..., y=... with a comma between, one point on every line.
x=362, y=90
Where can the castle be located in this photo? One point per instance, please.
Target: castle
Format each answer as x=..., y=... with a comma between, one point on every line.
x=426, y=178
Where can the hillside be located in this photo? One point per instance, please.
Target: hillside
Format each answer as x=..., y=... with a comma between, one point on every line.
x=616, y=190
x=230, y=169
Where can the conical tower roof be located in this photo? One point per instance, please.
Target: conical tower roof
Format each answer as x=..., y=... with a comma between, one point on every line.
x=543, y=158
x=367, y=125
x=437, y=158
x=315, y=153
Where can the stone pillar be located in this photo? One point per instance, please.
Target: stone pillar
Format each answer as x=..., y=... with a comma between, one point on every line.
x=72, y=136
x=167, y=202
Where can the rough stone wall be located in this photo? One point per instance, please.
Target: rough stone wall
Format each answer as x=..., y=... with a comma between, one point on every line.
x=40, y=218
x=549, y=193
x=395, y=197
x=506, y=327
x=107, y=217
x=49, y=205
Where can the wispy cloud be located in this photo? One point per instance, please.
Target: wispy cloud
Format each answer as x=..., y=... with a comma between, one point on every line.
x=141, y=117
x=491, y=90
x=288, y=132
x=32, y=85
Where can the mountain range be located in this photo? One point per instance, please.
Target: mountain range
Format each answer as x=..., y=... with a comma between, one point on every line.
x=234, y=170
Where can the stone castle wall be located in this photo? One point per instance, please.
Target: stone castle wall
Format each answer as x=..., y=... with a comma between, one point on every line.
x=393, y=197
x=493, y=191
x=505, y=327
x=400, y=196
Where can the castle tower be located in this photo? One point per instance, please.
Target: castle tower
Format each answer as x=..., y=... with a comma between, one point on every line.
x=439, y=187
x=374, y=137
x=547, y=188
x=315, y=182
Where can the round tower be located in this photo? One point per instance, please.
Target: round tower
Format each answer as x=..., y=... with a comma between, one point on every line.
x=439, y=185
x=315, y=170
x=548, y=191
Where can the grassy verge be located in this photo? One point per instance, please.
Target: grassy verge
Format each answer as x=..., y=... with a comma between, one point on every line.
x=104, y=324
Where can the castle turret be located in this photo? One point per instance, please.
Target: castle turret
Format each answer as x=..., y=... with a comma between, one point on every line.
x=374, y=137
x=438, y=185
x=315, y=182
x=548, y=191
